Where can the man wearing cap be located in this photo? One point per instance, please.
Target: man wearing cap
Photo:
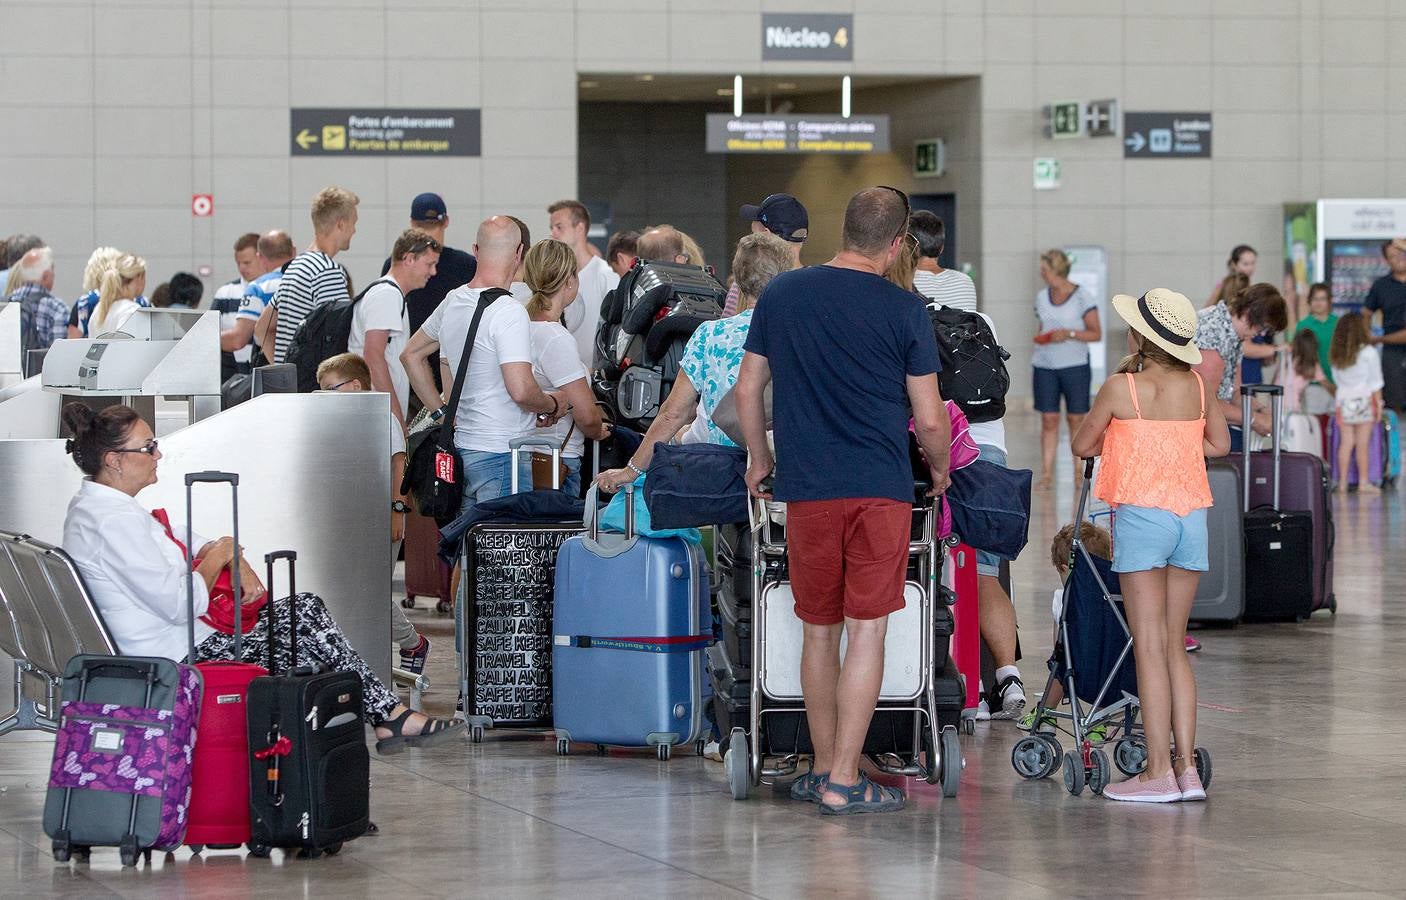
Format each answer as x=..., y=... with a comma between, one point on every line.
x=455, y=268
x=785, y=217
x=570, y=221
x=1388, y=296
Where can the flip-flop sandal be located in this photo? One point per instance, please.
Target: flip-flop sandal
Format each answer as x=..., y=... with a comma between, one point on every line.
x=809, y=786
x=435, y=731
x=885, y=799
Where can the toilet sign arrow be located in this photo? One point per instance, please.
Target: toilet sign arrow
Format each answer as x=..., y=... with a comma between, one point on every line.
x=1136, y=142
x=305, y=139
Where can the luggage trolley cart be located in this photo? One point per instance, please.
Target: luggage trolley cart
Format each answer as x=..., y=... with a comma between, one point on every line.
x=913, y=662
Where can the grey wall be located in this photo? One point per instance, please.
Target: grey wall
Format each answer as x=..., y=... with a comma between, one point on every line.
x=116, y=111
x=648, y=160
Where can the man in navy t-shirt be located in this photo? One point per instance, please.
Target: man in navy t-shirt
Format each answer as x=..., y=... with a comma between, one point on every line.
x=849, y=355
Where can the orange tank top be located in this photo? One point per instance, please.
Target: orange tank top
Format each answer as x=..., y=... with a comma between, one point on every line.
x=1155, y=463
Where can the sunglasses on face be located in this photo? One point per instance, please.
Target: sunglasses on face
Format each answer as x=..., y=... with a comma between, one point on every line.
x=149, y=448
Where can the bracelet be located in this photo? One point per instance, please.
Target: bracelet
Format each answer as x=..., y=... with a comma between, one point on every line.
x=630, y=464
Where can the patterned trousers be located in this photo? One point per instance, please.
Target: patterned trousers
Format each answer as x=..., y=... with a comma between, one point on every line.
x=320, y=642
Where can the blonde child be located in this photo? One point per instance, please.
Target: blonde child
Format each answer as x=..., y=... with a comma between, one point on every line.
x=1357, y=369
x=1154, y=423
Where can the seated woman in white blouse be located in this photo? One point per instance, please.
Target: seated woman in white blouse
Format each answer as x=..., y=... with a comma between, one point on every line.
x=137, y=573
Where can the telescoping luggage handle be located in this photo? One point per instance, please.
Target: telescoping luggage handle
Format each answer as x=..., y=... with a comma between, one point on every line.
x=269, y=559
x=591, y=520
x=517, y=445
x=231, y=479
x=1247, y=394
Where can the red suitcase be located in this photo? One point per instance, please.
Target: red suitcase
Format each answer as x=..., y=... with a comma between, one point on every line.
x=966, y=631
x=426, y=575
x=219, y=798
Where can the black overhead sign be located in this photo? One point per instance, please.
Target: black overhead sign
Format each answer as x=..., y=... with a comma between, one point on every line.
x=1166, y=135
x=368, y=131
x=807, y=36
x=797, y=134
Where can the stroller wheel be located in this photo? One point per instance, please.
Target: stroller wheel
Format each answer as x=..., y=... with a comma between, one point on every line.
x=1073, y=773
x=1033, y=758
x=1203, y=766
x=1099, y=772
x=1130, y=755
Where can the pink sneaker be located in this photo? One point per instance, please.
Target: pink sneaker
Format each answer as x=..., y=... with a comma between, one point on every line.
x=1135, y=790
x=1192, y=645
x=1190, y=784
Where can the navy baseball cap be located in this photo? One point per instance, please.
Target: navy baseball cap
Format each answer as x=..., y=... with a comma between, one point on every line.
x=783, y=215
x=428, y=208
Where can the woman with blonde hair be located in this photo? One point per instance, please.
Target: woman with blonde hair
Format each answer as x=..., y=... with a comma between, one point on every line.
x=118, y=289
x=1068, y=317
x=549, y=268
x=99, y=262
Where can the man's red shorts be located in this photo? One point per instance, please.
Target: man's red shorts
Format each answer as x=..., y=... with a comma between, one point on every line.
x=848, y=558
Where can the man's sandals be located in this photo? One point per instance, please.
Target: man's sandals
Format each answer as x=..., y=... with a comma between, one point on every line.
x=865, y=797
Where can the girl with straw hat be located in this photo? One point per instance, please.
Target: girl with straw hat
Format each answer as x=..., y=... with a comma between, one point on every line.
x=1154, y=423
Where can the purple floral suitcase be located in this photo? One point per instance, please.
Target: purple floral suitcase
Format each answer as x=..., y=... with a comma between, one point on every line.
x=121, y=774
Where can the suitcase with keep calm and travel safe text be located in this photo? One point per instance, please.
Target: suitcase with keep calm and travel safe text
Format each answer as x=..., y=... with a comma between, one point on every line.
x=1288, y=527
x=310, y=769
x=631, y=622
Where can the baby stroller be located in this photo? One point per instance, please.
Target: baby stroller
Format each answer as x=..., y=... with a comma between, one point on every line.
x=1093, y=662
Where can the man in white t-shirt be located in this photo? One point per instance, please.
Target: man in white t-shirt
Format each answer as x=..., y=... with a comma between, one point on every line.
x=234, y=357
x=569, y=223
x=947, y=286
x=381, y=321
x=500, y=399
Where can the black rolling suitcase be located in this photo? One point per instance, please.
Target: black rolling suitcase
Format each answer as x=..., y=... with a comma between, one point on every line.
x=1279, y=544
x=310, y=772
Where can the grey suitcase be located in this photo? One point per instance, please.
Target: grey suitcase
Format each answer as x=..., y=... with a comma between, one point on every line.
x=1220, y=595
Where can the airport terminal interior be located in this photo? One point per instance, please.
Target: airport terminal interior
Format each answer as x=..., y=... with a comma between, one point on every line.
x=167, y=157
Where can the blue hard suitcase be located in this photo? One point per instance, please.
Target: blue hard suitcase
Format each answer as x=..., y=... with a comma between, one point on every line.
x=631, y=623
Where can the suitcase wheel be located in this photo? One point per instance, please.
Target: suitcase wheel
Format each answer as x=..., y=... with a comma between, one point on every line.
x=260, y=851
x=196, y=848
x=563, y=747
x=476, y=734
x=969, y=726
x=663, y=751
x=62, y=852
x=309, y=853
x=333, y=849
x=444, y=607
x=602, y=750
x=128, y=852
x=699, y=746
x=408, y=601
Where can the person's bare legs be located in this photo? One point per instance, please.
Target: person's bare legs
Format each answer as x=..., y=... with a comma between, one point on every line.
x=1075, y=420
x=1362, y=435
x=997, y=617
x=820, y=675
x=1145, y=600
x=1181, y=593
x=861, y=677
x=1049, y=443
x=1347, y=435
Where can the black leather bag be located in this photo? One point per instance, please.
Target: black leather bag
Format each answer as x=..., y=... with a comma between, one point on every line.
x=434, y=473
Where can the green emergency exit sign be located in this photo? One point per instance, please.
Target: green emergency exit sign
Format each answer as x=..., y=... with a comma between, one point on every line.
x=1064, y=119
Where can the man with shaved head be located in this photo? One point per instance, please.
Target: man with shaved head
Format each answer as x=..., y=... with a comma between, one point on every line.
x=661, y=243
x=501, y=399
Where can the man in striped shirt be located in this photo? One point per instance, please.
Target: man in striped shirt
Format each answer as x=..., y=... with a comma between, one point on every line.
x=312, y=278
x=947, y=287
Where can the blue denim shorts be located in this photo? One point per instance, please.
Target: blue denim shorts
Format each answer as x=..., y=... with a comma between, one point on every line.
x=1145, y=538
x=1072, y=383
x=989, y=563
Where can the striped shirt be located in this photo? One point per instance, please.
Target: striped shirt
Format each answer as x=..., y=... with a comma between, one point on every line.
x=947, y=288
x=310, y=280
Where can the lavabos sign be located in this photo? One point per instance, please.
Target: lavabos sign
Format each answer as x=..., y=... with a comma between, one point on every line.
x=789, y=36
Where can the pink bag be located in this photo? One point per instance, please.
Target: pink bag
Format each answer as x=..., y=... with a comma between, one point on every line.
x=963, y=453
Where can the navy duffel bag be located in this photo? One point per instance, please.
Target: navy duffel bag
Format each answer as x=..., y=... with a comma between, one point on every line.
x=694, y=485
x=991, y=507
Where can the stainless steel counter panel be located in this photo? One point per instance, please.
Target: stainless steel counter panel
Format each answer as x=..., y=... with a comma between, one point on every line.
x=314, y=477
x=28, y=411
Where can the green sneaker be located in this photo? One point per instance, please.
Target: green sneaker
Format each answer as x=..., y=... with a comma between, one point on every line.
x=1097, y=734
x=1047, y=723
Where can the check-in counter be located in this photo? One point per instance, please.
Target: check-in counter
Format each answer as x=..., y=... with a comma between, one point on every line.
x=314, y=477
x=10, y=362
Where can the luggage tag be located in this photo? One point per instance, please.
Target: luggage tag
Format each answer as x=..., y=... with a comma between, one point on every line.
x=444, y=467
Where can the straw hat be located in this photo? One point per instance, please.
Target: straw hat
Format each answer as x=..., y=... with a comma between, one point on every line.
x=1165, y=318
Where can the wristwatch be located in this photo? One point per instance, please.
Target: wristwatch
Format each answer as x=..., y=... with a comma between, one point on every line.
x=1073, y=334
x=400, y=506
x=437, y=415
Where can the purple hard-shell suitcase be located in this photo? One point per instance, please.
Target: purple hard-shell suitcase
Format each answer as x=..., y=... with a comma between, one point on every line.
x=121, y=773
x=1376, y=454
x=1303, y=486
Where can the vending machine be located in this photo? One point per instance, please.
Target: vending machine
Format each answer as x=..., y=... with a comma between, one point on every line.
x=1349, y=238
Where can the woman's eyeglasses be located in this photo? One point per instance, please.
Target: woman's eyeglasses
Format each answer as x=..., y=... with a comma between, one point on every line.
x=149, y=448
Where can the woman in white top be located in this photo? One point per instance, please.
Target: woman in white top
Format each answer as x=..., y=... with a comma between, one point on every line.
x=120, y=286
x=1068, y=324
x=137, y=573
x=550, y=270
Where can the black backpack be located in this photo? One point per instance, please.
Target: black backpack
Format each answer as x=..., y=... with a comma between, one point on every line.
x=973, y=372
x=323, y=334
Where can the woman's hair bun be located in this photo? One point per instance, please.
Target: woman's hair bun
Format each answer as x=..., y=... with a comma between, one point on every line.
x=78, y=418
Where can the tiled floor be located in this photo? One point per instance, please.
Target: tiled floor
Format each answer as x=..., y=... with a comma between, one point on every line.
x=1309, y=796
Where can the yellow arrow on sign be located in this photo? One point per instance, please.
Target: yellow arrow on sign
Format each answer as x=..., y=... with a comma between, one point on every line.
x=306, y=139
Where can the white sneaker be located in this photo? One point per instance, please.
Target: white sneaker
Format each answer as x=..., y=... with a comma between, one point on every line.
x=983, y=712
x=712, y=750
x=1012, y=693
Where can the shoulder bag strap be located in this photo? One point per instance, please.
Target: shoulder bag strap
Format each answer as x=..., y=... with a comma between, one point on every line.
x=446, y=428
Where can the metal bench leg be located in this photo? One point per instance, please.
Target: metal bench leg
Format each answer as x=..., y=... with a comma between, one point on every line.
x=27, y=715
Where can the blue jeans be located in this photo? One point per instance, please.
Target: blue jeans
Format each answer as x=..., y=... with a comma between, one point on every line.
x=488, y=476
x=572, y=485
